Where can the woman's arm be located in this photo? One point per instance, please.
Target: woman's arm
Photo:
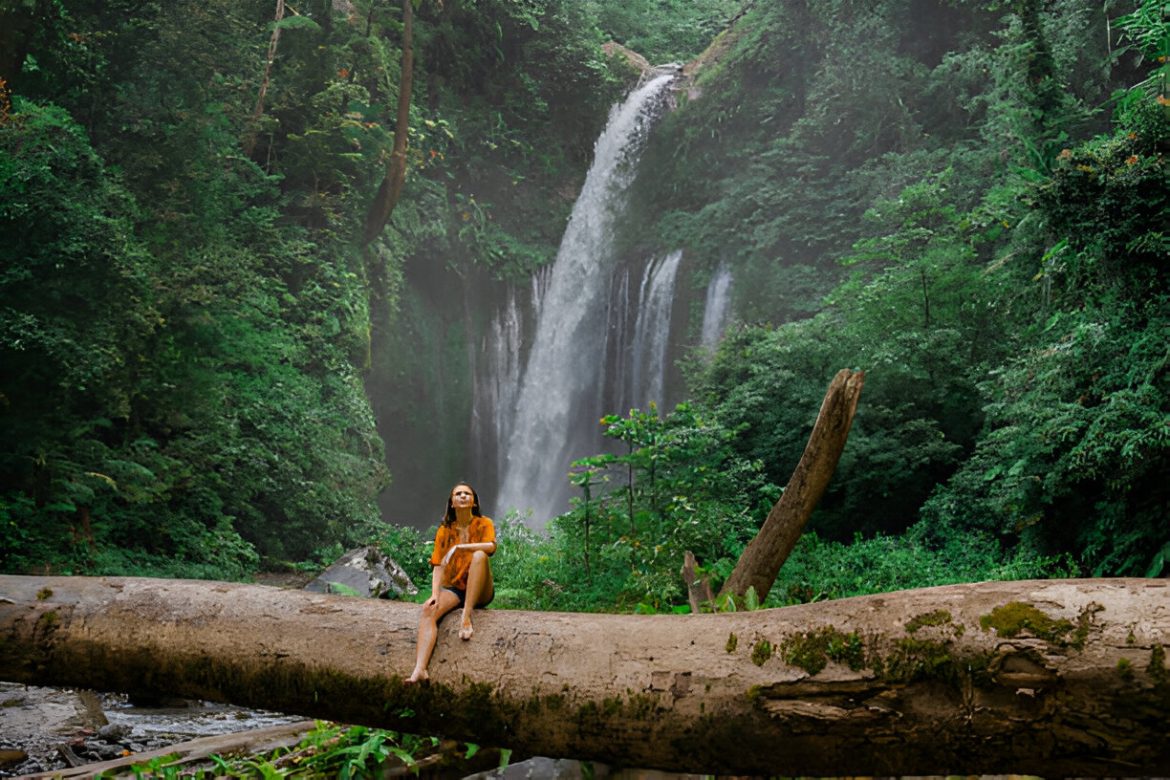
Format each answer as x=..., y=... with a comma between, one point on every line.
x=487, y=547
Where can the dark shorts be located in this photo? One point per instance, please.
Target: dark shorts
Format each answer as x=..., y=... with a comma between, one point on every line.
x=462, y=594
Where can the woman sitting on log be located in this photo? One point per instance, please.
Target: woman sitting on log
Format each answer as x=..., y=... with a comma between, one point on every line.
x=462, y=575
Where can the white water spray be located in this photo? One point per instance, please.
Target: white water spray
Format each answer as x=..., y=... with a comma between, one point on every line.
x=655, y=304
x=716, y=308
x=556, y=413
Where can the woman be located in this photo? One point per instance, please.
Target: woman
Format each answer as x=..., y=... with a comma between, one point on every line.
x=462, y=576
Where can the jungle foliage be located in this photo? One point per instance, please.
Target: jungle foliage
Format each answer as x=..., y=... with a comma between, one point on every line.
x=970, y=203
x=965, y=198
x=184, y=313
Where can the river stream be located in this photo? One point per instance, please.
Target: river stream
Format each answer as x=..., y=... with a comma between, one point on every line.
x=49, y=729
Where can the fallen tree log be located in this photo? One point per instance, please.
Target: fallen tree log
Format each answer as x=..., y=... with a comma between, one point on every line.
x=1064, y=677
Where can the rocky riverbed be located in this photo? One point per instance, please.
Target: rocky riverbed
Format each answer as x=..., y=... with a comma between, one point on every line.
x=48, y=729
x=44, y=730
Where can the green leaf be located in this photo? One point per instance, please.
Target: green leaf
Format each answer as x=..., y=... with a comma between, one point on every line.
x=296, y=23
x=403, y=755
x=1159, y=562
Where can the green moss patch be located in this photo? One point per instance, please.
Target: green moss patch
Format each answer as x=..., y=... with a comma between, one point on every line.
x=1015, y=617
x=812, y=650
x=1084, y=623
x=1157, y=666
x=761, y=652
x=940, y=617
x=914, y=659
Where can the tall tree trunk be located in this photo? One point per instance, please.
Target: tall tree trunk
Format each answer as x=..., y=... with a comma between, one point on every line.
x=258, y=111
x=762, y=558
x=391, y=188
x=1064, y=677
x=389, y=191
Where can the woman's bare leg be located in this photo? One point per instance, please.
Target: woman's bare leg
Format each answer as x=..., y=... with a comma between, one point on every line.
x=428, y=632
x=479, y=590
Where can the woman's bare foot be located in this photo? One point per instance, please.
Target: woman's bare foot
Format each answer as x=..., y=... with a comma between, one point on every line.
x=466, y=630
x=418, y=677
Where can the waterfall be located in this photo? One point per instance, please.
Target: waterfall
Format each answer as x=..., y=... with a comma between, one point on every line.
x=496, y=383
x=554, y=420
x=716, y=307
x=648, y=359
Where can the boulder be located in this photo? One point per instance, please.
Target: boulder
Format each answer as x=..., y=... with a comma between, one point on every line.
x=631, y=58
x=365, y=572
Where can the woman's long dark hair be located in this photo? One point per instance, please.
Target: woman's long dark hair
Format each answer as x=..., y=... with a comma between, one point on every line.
x=449, y=515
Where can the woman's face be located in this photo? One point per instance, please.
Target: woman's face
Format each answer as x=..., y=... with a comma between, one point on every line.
x=462, y=497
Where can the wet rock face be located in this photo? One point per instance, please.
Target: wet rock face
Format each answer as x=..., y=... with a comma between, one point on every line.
x=365, y=572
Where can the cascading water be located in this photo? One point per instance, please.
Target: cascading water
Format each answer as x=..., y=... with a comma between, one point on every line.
x=554, y=420
x=497, y=382
x=716, y=307
x=648, y=358
x=497, y=373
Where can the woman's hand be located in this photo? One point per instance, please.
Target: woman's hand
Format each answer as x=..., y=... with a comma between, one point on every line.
x=447, y=557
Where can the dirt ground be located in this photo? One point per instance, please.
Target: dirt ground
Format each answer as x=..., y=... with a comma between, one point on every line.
x=285, y=579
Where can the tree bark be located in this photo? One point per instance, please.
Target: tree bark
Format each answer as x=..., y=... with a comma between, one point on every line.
x=699, y=593
x=389, y=192
x=258, y=111
x=391, y=188
x=1052, y=678
x=762, y=558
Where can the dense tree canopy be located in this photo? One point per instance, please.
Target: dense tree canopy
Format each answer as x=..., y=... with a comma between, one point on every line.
x=183, y=309
x=953, y=227
x=965, y=199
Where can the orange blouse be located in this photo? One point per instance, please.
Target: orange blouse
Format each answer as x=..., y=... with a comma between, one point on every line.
x=455, y=575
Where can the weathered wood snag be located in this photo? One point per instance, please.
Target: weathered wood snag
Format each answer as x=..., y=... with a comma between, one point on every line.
x=1063, y=677
x=762, y=558
x=257, y=112
x=197, y=751
x=698, y=588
